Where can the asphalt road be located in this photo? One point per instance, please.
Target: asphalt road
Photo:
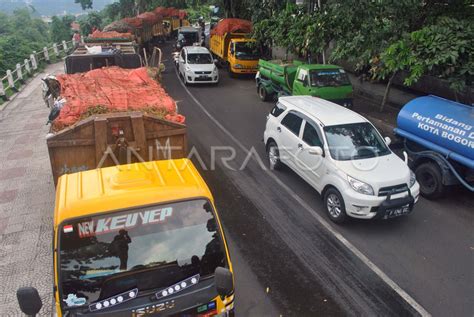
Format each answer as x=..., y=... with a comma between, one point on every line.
x=283, y=246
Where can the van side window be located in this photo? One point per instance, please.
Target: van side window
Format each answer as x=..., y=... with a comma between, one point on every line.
x=310, y=135
x=292, y=122
x=278, y=110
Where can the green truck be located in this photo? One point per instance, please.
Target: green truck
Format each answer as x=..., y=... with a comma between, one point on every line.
x=279, y=78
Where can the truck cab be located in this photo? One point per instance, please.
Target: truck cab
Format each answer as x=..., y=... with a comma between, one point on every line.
x=137, y=240
x=242, y=56
x=279, y=78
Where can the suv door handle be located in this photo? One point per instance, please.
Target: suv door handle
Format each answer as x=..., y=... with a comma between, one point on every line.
x=278, y=129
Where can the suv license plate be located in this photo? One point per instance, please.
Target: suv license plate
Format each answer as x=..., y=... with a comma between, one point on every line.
x=397, y=212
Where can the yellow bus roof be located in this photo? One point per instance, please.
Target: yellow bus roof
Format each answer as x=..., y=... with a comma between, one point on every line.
x=125, y=186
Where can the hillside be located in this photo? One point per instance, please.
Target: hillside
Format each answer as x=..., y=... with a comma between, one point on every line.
x=49, y=7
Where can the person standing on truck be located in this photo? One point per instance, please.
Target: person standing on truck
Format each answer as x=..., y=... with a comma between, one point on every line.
x=76, y=39
x=120, y=247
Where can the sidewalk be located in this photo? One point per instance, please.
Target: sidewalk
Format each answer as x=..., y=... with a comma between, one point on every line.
x=368, y=98
x=26, y=198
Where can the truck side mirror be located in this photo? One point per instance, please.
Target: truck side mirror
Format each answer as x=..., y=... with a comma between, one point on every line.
x=224, y=281
x=231, y=50
x=29, y=300
x=388, y=141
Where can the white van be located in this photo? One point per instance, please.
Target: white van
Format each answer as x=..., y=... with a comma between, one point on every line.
x=343, y=156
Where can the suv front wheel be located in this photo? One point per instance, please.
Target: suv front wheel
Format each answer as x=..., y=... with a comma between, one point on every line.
x=273, y=156
x=335, y=206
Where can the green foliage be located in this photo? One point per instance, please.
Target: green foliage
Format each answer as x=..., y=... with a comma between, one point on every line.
x=90, y=21
x=61, y=28
x=444, y=49
x=85, y=4
x=20, y=35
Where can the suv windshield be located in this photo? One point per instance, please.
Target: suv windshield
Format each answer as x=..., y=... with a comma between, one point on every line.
x=328, y=78
x=246, y=51
x=354, y=141
x=200, y=59
x=145, y=248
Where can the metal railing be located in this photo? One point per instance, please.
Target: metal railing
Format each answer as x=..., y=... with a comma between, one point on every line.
x=30, y=66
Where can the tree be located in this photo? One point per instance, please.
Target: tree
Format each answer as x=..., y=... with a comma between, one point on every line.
x=85, y=4
x=444, y=49
x=61, y=28
x=89, y=22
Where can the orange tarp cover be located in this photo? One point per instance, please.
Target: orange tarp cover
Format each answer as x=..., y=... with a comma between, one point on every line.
x=151, y=17
x=136, y=22
x=110, y=35
x=232, y=26
x=115, y=88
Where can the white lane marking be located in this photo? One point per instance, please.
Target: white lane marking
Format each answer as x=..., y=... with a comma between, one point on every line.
x=410, y=300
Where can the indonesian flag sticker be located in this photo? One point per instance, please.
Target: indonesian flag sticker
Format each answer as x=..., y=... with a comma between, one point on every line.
x=68, y=229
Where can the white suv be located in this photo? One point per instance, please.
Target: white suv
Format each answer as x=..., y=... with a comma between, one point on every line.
x=342, y=156
x=196, y=65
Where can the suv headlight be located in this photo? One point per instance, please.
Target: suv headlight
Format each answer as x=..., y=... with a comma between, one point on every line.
x=412, y=178
x=360, y=187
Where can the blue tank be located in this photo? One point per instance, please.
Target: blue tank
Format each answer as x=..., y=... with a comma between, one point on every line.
x=440, y=125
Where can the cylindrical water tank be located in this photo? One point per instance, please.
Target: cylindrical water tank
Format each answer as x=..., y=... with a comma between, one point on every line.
x=441, y=125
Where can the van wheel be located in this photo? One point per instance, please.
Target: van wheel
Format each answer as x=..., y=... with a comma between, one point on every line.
x=430, y=179
x=274, y=156
x=335, y=206
x=262, y=93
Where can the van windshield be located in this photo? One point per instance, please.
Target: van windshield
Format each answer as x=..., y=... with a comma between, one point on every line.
x=328, y=78
x=146, y=248
x=354, y=141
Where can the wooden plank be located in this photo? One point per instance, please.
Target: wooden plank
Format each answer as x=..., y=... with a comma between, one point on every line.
x=63, y=143
x=165, y=133
x=100, y=131
x=138, y=127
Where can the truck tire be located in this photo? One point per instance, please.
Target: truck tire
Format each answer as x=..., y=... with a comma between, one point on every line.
x=262, y=93
x=430, y=179
x=335, y=206
x=273, y=154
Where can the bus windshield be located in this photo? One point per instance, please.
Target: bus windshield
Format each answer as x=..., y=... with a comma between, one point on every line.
x=146, y=248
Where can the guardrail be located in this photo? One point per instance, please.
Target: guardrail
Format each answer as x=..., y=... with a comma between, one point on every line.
x=15, y=78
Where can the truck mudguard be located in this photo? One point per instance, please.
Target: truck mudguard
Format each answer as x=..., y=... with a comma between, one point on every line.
x=440, y=125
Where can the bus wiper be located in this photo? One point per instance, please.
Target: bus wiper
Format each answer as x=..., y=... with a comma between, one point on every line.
x=178, y=287
x=114, y=300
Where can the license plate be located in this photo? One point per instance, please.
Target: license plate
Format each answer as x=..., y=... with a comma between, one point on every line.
x=203, y=77
x=397, y=212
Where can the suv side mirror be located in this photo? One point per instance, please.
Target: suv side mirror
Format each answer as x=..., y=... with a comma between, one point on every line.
x=315, y=150
x=29, y=300
x=388, y=141
x=224, y=281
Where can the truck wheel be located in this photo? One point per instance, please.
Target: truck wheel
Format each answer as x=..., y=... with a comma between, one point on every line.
x=262, y=93
x=335, y=206
x=274, y=156
x=430, y=179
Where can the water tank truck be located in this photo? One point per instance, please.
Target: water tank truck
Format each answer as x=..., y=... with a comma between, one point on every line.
x=438, y=136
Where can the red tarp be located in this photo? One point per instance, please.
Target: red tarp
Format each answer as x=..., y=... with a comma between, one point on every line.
x=115, y=88
x=232, y=26
x=110, y=35
x=136, y=22
x=182, y=14
x=151, y=17
x=167, y=12
x=120, y=26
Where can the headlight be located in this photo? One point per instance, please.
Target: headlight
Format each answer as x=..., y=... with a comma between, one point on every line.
x=238, y=66
x=412, y=178
x=360, y=187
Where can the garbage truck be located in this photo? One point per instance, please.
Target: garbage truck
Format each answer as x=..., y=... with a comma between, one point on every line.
x=438, y=137
x=278, y=78
x=142, y=239
x=231, y=45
